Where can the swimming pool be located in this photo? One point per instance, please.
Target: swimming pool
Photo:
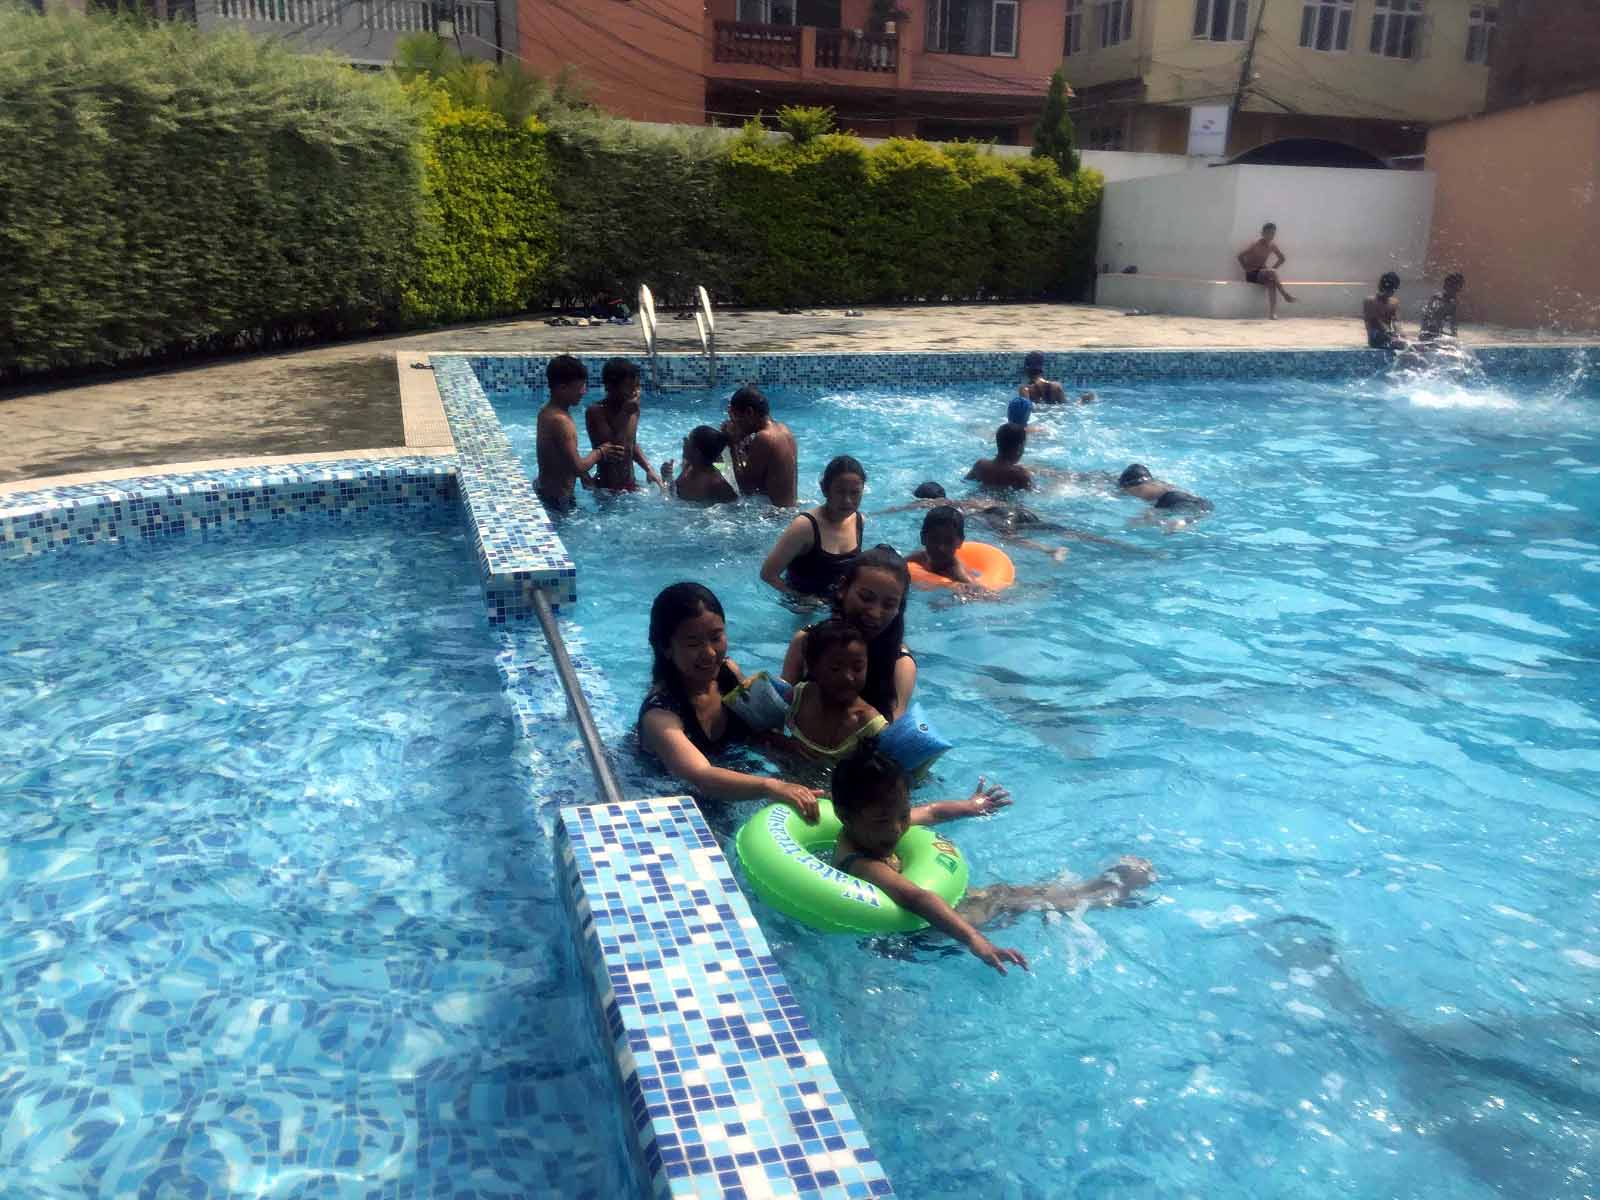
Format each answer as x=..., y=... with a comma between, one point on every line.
x=278, y=913
x=1352, y=720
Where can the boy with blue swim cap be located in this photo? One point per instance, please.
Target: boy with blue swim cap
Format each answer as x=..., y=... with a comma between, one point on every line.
x=1020, y=410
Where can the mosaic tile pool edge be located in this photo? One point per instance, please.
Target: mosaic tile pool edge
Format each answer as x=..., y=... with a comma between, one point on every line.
x=149, y=508
x=516, y=545
x=730, y=1095
x=505, y=372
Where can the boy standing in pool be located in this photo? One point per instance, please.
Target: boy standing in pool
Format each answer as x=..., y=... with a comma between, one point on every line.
x=766, y=460
x=1005, y=469
x=1038, y=389
x=556, y=442
x=615, y=421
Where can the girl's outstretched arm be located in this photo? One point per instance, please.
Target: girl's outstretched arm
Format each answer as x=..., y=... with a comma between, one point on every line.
x=936, y=912
x=983, y=801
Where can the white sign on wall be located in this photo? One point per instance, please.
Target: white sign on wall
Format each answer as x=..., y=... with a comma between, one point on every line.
x=1208, y=129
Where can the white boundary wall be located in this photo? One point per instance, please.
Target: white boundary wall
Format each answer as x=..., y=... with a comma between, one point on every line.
x=1335, y=224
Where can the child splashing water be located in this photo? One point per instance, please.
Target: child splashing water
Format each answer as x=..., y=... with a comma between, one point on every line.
x=827, y=716
x=872, y=798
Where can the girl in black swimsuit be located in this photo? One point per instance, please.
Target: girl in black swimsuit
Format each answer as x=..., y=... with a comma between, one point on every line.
x=683, y=720
x=801, y=564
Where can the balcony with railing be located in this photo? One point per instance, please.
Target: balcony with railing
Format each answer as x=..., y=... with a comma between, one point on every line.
x=838, y=57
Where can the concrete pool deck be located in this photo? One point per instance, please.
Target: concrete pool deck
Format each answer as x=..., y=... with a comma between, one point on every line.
x=331, y=400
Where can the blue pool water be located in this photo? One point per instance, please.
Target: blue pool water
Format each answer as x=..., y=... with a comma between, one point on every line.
x=277, y=917
x=1353, y=720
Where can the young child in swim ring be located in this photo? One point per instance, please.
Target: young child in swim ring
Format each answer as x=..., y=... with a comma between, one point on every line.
x=872, y=798
x=944, y=531
x=827, y=716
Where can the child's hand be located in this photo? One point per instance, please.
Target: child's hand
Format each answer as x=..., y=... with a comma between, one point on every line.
x=986, y=800
x=997, y=956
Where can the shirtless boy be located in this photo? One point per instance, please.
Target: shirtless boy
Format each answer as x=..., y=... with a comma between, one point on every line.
x=766, y=460
x=615, y=421
x=1440, y=310
x=557, y=441
x=1005, y=469
x=1381, y=314
x=1039, y=389
x=1253, y=258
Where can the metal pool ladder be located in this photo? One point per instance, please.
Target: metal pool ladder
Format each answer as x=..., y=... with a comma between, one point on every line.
x=706, y=322
x=604, y=781
x=647, y=323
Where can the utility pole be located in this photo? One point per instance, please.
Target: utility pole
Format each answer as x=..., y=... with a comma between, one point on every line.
x=1244, y=68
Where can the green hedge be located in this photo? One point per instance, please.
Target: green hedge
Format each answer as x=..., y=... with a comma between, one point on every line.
x=163, y=190
x=489, y=218
x=834, y=222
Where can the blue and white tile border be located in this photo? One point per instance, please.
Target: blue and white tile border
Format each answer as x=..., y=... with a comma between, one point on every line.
x=150, y=508
x=498, y=373
x=728, y=1091
x=517, y=547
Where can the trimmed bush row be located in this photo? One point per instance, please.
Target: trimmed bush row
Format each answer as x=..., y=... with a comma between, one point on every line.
x=169, y=192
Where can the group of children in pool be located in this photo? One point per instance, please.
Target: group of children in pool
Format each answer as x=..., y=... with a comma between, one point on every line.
x=849, y=677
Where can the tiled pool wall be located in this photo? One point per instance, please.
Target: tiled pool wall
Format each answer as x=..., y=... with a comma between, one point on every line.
x=502, y=373
x=155, y=508
x=728, y=1091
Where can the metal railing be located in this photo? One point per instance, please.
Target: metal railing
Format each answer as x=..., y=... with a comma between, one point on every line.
x=706, y=322
x=846, y=50
x=647, y=326
x=473, y=17
x=762, y=45
x=604, y=781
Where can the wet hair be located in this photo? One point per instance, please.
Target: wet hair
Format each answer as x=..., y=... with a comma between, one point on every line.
x=1011, y=439
x=1034, y=362
x=751, y=398
x=825, y=635
x=864, y=777
x=842, y=465
x=563, y=368
x=946, y=516
x=883, y=651
x=1269, y=225
x=1389, y=282
x=618, y=371
x=673, y=605
x=1133, y=475
x=708, y=441
x=1455, y=281
x=929, y=491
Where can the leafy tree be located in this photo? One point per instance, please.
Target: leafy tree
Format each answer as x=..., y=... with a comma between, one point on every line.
x=1053, y=136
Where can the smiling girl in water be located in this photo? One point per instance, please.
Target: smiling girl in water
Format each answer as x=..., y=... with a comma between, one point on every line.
x=872, y=596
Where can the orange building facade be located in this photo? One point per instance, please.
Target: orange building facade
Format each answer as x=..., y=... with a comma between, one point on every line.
x=937, y=69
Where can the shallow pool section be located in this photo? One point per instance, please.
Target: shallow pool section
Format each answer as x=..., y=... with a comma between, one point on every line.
x=277, y=916
x=1352, y=718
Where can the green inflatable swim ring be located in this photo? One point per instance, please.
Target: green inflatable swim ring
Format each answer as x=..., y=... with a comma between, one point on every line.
x=789, y=864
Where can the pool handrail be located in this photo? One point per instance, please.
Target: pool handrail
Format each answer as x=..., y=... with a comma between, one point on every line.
x=605, y=782
x=706, y=322
x=647, y=323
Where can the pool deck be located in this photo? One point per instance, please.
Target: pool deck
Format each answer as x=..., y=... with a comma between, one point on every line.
x=332, y=400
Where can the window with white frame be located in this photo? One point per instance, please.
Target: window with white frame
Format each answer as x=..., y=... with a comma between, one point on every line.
x=1074, y=39
x=982, y=27
x=1116, y=21
x=1220, y=20
x=1480, y=32
x=1325, y=24
x=1397, y=28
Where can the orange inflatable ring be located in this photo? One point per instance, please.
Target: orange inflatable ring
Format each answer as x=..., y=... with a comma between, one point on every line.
x=988, y=565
